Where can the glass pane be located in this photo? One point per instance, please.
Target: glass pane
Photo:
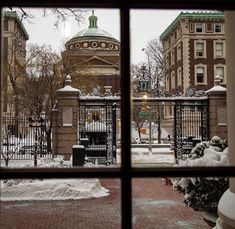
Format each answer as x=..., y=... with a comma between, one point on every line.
x=159, y=204
x=170, y=115
x=61, y=86
x=60, y=203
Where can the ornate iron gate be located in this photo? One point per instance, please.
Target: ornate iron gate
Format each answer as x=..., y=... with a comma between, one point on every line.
x=191, y=121
x=97, y=128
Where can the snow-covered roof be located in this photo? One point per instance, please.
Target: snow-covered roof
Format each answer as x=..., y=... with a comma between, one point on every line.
x=96, y=127
x=69, y=88
x=216, y=88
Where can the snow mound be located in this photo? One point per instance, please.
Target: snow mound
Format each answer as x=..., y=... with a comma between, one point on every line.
x=51, y=189
x=54, y=189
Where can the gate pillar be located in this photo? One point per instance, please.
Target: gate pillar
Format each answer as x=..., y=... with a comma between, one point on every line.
x=65, y=120
x=217, y=110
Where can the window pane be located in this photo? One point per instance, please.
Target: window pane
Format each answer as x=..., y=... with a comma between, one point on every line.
x=61, y=203
x=218, y=27
x=199, y=27
x=70, y=75
x=157, y=204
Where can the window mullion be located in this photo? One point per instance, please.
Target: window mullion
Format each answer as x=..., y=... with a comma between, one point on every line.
x=126, y=193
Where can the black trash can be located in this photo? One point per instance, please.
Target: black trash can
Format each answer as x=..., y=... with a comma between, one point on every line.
x=78, y=155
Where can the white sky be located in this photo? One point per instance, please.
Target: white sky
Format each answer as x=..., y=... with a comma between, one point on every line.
x=145, y=25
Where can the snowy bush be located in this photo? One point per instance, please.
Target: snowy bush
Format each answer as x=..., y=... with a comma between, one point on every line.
x=203, y=193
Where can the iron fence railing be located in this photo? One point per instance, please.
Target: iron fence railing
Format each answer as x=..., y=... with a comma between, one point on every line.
x=22, y=138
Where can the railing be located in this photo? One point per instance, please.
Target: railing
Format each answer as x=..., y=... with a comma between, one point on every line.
x=180, y=121
x=22, y=138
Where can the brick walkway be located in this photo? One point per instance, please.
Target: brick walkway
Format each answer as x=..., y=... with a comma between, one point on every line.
x=155, y=205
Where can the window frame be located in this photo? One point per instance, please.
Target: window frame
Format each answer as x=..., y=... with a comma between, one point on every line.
x=125, y=173
x=224, y=81
x=205, y=74
x=179, y=77
x=221, y=27
x=196, y=42
x=196, y=27
x=223, y=50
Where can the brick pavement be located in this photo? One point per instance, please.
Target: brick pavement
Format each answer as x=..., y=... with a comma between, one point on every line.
x=155, y=205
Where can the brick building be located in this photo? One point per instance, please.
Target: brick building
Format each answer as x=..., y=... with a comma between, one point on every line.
x=194, y=51
x=92, y=59
x=14, y=57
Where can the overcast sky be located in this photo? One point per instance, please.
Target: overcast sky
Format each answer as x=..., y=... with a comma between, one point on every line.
x=145, y=25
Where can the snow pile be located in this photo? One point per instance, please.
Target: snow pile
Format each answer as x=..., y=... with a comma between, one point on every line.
x=51, y=189
x=203, y=193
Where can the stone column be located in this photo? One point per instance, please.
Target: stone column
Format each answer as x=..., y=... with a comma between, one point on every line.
x=226, y=207
x=65, y=120
x=217, y=110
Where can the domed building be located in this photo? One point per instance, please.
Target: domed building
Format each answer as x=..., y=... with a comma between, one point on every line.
x=92, y=58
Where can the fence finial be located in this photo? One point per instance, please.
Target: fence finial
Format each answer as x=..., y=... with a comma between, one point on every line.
x=68, y=80
x=217, y=80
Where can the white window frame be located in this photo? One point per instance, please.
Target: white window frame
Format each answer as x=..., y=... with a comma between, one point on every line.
x=202, y=24
x=195, y=49
x=223, y=51
x=224, y=76
x=205, y=74
x=221, y=27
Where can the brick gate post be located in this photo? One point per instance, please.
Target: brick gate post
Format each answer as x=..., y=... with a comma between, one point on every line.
x=217, y=110
x=65, y=120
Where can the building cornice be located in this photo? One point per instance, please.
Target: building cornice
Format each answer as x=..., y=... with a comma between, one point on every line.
x=14, y=15
x=192, y=16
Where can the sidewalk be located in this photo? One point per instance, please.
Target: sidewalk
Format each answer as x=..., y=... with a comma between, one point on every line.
x=155, y=206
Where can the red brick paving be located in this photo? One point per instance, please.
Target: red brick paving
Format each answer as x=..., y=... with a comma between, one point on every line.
x=155, y=206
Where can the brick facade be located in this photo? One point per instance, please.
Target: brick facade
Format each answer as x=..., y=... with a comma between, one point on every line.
x=192, y=43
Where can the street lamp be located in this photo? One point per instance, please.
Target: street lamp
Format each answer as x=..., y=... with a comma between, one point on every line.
x=146, y=112
x=36, y=123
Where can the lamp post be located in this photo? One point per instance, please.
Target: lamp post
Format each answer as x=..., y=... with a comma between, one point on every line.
x=36, y=123
x=147, y=113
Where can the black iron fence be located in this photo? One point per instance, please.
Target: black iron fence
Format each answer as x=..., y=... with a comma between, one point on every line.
x=179, y=121
x=24, y=137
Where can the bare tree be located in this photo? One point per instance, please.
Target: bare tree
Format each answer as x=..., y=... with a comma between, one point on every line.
x=154, y=51
x=41, y=79
x=60, y=14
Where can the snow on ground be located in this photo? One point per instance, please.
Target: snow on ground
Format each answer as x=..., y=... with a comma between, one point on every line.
x=143, y=156
x=51, y=189
x=64, y=189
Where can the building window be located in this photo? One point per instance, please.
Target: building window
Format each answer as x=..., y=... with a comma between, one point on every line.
x=218, y=49
x=173, y=80
x=191, y=27
x=209, y=27
x=179, y=77
x=6, y=25
x=199, y=28
x=200, y=49
x=200, y=75
x=220, y=70
x=167, y=83
x=218, y=27
x=167, y=61
x=179, y=52
x=172, y=57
